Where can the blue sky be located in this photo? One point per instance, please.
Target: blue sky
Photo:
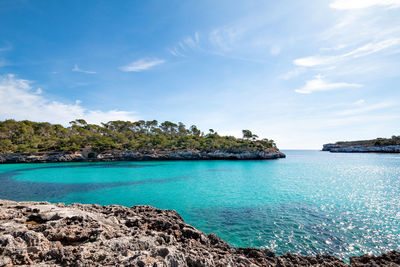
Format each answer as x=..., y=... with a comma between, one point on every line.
x=302, y=72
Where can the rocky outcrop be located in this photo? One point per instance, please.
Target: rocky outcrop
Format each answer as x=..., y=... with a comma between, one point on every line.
x=361, y=149
x=40, y=233
x=137, y=155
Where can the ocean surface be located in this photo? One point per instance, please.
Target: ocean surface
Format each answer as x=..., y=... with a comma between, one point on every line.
x=311, y=202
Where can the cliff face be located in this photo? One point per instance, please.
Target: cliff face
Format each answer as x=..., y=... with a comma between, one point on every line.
x=92, y=235
x=361, y=149
x=137, y=155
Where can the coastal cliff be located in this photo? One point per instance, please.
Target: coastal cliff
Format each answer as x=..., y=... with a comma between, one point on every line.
x=138, y=156
x=360, y=148
x=378, y=145
x=38, y=233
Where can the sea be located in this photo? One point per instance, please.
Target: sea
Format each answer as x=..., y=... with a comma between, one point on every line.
x=311, y=202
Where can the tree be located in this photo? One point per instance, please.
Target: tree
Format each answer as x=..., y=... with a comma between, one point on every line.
x=181, y=129
x=168, y=127
x=247, y=134
x=151, y=125
x=6, y=146
x=195, y=131
x=28, y=136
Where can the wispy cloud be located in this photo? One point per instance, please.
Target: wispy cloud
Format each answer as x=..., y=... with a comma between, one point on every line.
x=347, y=51
x=361, y=120
x=367, y=49
x=186, y=44
x=77, y=69
x=373, y=47
x=176, y=52
x=319, y=84
x=359, y=102
x=20, y=101
x=316, y=60
x=365, y=108
x=237, y=41
x=192, y=42
x=142, y=64
x=245, y=39
x=292, y=73
x=360, y=4
x=227, y=37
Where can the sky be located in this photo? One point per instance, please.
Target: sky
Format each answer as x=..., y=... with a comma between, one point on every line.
x=300, y=72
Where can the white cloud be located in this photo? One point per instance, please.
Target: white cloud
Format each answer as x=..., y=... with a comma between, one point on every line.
x=373, y=47
x=292, y=73
x=77, y=69
x=359, y=102
x=318, y=84
x=250, y=33
x=142, y=64
x=187, y=43
x=360, y=4
x=191, y=41
x=338, y=47
x=18, y=100
x=367, y=49
x=228, y=37
x=365, y=108
x=245, y=39
x=176, y=52
x=315, y=61
x=361, y=120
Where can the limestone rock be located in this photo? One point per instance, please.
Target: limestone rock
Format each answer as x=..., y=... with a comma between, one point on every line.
x=45, y=234
x=139, y=155
x=361, y=149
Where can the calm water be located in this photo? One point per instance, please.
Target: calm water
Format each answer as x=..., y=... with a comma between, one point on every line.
x=311, y=202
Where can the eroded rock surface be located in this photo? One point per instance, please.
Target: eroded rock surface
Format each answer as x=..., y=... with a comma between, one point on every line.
x=138, y=155
x=40, y=233
x=361, y=149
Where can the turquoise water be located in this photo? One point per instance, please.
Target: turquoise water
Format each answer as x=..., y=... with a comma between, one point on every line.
x=311, y=202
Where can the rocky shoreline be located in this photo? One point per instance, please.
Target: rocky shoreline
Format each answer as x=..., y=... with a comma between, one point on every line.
x=361, y=149
x=87, y=155
x=45, y=234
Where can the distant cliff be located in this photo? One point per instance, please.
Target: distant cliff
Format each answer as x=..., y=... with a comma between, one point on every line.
x=378, y=145
x=361, y=149
x=138, y=156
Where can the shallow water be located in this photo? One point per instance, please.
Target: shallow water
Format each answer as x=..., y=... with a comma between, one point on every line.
x=311, y=202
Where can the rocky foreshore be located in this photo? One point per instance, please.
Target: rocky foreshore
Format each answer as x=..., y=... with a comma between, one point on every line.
x=137, y=156
x=361, y=149
x=44, y=234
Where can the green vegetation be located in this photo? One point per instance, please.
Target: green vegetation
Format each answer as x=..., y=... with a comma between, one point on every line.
x=395, y=140
x=249, y=135
x=28, y=136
